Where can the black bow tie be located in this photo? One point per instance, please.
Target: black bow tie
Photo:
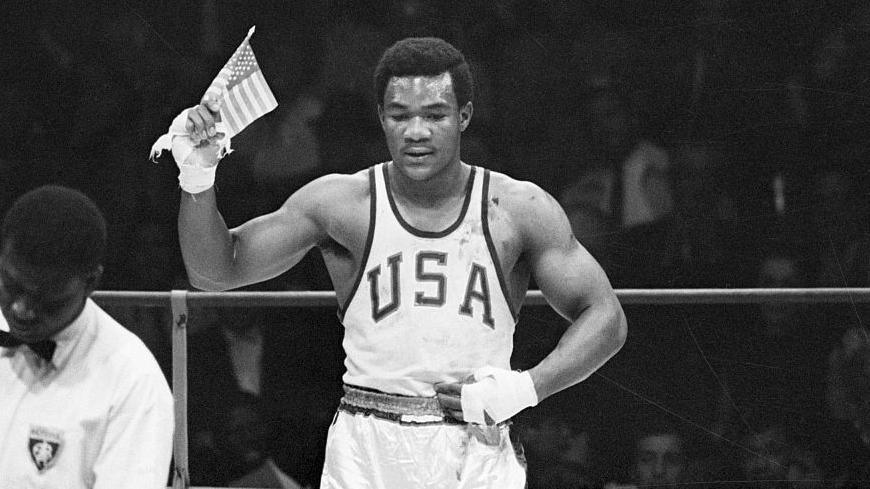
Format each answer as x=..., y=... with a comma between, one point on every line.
x=43, y=348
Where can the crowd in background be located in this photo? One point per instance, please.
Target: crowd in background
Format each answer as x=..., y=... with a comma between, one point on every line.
x=712, y=143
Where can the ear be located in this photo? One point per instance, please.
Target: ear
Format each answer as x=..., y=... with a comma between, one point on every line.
x=465, y=113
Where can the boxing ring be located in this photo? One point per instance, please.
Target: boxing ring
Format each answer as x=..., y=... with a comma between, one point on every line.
x=181, y=302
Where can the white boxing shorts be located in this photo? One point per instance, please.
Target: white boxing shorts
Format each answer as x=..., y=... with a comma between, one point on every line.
x=385, y=441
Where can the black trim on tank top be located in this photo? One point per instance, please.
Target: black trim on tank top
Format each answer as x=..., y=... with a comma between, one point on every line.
x=429, y=234
x=368, y=248
x=493, y=253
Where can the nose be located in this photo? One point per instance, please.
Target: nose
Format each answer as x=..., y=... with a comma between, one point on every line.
x=417, y=130
x=22, y=309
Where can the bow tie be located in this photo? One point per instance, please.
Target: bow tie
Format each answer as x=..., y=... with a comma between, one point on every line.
x=43, y=348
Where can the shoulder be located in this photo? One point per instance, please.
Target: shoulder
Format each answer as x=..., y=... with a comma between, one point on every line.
x=125, y=356
x=331, y=191
x=528, y=206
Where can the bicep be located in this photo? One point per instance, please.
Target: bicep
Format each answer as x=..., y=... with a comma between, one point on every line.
x=269, y=245
x=570, y=278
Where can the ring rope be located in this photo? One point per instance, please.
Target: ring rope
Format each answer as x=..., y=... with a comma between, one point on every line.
x=180, y=301
x=533, y=297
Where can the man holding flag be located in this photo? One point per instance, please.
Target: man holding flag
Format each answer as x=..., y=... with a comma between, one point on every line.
x=430, y=258
x=238, y=96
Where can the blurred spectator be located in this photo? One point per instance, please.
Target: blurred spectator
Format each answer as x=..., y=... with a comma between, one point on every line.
x=828, y=92
x=556, y=446
x=764, y=463
x=848, y=398
x=658, y=457
x=839, y=227
x=242, y=438
x=284, y=356
x=774, y=358
x=623, y=174
x=695, y=245
x=778, y=455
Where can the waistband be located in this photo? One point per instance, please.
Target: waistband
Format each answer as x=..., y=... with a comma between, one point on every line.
x=394, y=407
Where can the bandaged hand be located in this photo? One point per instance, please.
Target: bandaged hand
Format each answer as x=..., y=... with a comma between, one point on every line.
x=197, y=140
x=492, y=395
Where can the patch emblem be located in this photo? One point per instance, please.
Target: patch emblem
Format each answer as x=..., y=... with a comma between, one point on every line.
x=44, y=445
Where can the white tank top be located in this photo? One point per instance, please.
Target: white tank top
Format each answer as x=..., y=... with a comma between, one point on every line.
x=426, y=307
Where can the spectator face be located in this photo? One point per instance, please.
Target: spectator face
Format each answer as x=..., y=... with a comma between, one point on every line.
x=660, y=460
x=38, y=303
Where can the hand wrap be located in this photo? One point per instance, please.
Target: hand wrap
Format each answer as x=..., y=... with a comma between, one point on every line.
x=498, y=393
x=195, y=173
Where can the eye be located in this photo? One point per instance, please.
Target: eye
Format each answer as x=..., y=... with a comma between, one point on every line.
x=436, y=117
x=399, y=117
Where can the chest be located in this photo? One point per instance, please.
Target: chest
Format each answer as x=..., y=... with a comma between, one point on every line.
x=52, y=423
x=458, y=253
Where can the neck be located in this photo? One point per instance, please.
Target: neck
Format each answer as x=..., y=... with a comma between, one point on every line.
x=443, y=186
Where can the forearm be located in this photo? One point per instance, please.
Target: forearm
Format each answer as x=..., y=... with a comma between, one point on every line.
x=588, y=343
x=206, y=243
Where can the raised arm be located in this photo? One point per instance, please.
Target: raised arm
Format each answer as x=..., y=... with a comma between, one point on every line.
x=574, y=284
x=218, y=258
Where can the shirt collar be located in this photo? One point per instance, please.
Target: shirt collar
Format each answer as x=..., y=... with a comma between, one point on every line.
x=69, y=337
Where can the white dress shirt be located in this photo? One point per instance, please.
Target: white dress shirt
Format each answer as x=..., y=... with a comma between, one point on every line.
x=98, y=416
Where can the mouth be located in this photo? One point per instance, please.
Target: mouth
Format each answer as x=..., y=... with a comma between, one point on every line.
x=418, y=154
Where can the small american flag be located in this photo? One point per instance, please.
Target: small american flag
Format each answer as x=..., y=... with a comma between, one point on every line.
x=241, y=89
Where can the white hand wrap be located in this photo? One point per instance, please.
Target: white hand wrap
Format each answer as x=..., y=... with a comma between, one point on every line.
x=498, y=393
x=195, y=175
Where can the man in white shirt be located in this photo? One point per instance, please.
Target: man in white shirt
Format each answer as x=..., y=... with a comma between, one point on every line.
x=84, y=403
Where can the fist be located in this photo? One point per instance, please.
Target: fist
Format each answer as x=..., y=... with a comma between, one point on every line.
x=201, y=123
x=198, y=144
x=450, y=396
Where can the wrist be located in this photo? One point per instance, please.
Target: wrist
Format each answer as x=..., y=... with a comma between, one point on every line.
x=526, y=389
x=196, y=179
x=497, y=395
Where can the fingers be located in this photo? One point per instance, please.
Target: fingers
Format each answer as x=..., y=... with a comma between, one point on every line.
x=450, y=397
x=200, y=124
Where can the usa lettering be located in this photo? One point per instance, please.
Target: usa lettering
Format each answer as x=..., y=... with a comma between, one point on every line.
x=429, y=268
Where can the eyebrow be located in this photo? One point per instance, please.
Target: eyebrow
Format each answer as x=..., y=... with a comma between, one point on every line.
x=433, y=106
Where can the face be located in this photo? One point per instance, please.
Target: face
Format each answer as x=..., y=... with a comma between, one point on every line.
x=422, y=124
x=660, y=460
x=39, y=303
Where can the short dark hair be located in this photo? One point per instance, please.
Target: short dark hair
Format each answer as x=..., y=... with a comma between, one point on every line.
x=424, y=56
x=56, y=227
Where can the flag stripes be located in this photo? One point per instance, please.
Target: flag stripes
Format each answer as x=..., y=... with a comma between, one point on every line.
x=242, y=90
